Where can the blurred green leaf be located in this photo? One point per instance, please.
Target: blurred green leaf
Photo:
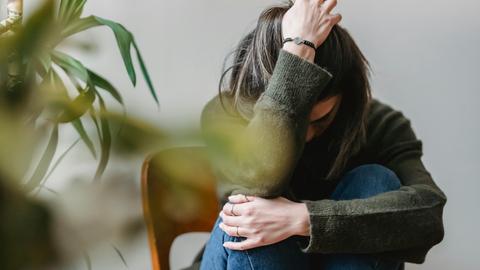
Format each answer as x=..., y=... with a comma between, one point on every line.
x=34, y=34
x=105, y=85
x=125, y=41
x=88, y=261
x=55, y=165
x=44, y=63
x=79, y=25
x=78, y=125
x=71, y=66
x=45, y=161
x=59, y=160
x=93, y=117
x=146, y=76
x=119, y=253
x=106, y=140
x=78, y=107
x=85, y=99
x=70, y=10
x=136, y=136
x=54, y=91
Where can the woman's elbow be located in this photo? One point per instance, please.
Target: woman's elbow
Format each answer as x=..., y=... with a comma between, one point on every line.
x=435, y=228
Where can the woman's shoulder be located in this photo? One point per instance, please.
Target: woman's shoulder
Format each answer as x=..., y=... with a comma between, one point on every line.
x=387, y=125
x=381, y=112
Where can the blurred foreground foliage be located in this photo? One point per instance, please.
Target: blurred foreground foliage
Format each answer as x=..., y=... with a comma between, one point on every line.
x=41, y=89
x=34, y=92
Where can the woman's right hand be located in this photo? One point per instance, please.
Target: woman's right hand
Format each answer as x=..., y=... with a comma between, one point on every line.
x=310, y=20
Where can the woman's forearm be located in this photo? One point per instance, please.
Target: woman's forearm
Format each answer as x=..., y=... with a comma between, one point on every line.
x=302, y=51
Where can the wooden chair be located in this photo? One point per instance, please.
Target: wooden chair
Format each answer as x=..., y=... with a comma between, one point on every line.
x=178, y=196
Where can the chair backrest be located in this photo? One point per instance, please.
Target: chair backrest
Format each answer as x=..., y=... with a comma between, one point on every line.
x=178, y=196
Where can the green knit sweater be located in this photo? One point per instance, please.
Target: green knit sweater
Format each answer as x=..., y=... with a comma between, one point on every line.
x=258, y=154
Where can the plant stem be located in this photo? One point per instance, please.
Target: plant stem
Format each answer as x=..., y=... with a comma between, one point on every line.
x=15, y=15
x=15, y=12
x=15, y=6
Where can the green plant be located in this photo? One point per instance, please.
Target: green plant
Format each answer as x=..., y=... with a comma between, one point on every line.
x=35, y=101
x=34, y=92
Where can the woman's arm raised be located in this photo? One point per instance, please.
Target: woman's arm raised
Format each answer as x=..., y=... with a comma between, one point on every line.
x=256, y=157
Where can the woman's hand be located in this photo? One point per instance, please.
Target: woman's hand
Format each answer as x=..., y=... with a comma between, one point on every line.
x=310, y=20
x=263, y=221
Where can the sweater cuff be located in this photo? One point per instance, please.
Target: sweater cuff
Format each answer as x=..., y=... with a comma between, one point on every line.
x=295, y=83
x=314, y=243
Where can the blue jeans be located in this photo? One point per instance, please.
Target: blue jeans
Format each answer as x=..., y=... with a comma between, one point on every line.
x=361, y=182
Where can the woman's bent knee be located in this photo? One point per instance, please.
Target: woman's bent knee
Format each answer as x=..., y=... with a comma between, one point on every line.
x=366, y=181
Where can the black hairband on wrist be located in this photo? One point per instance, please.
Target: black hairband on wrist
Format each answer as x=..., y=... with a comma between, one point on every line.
x=299, y=40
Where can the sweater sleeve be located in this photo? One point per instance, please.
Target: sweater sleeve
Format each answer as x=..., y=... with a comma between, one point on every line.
x=257, y=156
x=402, y=224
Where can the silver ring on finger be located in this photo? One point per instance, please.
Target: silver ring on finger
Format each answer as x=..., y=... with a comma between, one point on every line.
x=231, y=210
x=238, y=233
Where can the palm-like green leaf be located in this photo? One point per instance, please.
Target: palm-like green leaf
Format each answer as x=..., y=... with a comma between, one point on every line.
x=44, y=63
x=102, y=83
x=71, y=66
x=55, y=165
x=54, y=82
x=119, y=253
x=35, y=46
x=45, y=161
x=78, y=125
x=30, y=37
x=125, y=41
x=106, y=140
x=78, y=107
x=70, y=10
x=82, y=103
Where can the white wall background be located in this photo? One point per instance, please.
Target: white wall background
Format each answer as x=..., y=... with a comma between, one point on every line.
x=425, y=56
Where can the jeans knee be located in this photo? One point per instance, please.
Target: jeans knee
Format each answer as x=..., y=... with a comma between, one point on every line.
x=377, y=175
x=365, y=181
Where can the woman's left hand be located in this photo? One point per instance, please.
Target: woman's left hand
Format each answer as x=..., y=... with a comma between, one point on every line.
x=262, y=221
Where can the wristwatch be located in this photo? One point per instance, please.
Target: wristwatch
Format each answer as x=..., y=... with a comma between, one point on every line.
x=299, y=40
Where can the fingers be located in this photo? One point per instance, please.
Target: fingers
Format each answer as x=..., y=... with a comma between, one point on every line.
x=240, y=198
x=243, y=245
x=239, y=209
x=236, y=231
x=233, y=209
x=332, y=19
x=230, y=209
x=335, y=18
x=328, y=5
x=231, y=220
x=235, y=205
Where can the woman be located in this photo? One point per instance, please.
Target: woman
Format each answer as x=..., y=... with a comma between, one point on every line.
x=312, y=172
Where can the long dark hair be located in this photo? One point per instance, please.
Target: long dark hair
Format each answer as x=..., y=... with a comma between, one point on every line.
x=254, y=62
